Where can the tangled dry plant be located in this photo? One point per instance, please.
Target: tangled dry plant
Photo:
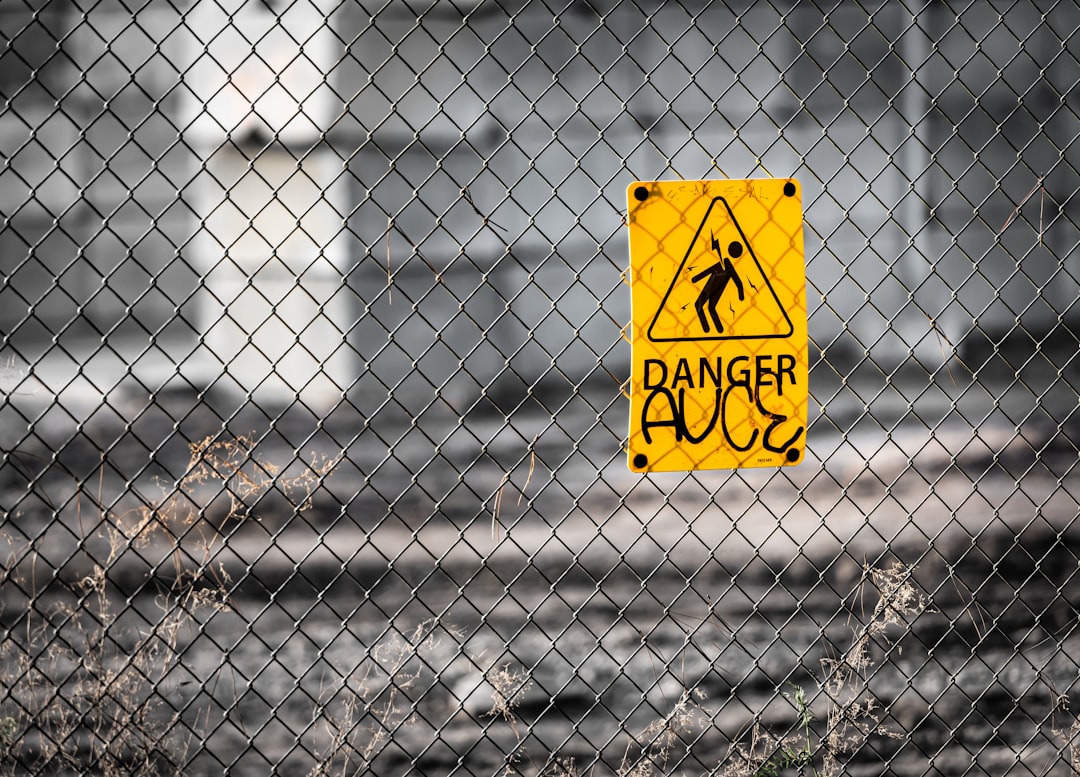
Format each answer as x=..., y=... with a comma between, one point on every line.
x=507, y=688
x=89, y=686
x=663, y=736
x=359, y=717
x=87, y=691
x=1068, y=736
x=853, y=712
x=232, y=465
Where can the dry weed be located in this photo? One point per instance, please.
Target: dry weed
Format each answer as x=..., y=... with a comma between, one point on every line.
x=1069, y=737
x=853, y=712
x=507, y=687
x=89, y=692
x=657, y=743
x=87, y=688
x=561, y=766
x=765, y=755
x=360, y=716
x=233, y=466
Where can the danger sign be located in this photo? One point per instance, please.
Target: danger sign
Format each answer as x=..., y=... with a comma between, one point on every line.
x=719, y=372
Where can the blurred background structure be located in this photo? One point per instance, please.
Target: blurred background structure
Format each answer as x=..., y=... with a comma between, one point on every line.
x=151, y=157
x=390, y=235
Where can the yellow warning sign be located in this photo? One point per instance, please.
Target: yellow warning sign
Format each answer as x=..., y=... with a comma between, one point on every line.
x=718, y=288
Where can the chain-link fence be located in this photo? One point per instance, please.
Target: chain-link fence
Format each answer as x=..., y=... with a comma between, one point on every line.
x=314, y=383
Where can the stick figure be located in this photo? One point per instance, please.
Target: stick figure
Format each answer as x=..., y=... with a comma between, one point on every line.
x=719, y=274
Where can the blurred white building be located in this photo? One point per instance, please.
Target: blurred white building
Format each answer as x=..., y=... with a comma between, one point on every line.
x=271, y=198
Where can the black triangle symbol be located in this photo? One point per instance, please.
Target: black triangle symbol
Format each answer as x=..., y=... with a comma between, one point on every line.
x=702, y=320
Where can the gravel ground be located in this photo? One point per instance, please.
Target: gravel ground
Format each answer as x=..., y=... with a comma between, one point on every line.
x=598, y=611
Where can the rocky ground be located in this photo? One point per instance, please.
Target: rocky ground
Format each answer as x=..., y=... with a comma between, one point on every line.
x=481, y=596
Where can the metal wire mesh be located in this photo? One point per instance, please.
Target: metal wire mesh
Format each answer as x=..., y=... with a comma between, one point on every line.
x=313, y=368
